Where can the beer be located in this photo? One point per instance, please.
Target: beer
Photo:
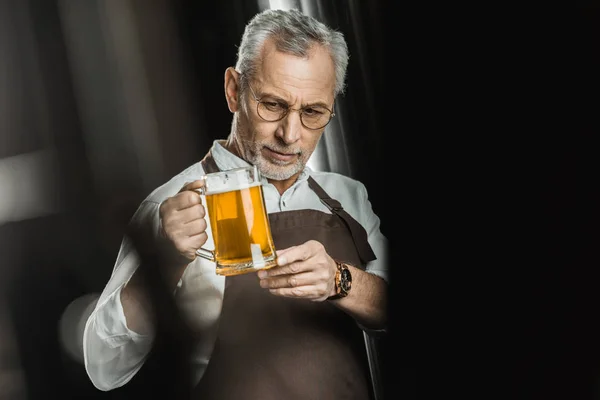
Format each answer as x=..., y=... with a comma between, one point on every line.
x=240, y=230
x=239, y=222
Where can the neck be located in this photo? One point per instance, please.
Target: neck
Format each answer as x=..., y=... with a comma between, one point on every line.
x=285, y=184
x=233, y=147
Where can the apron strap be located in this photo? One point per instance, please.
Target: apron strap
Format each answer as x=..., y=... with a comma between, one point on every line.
x=359, y=235
x=208, y=164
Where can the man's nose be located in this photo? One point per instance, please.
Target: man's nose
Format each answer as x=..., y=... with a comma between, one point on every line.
x=291, y=127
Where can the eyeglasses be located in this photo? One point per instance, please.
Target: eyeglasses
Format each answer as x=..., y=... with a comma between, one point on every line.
x=312, y=117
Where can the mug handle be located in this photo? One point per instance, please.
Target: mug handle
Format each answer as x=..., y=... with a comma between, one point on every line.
x=206, y=254
x=202, y=252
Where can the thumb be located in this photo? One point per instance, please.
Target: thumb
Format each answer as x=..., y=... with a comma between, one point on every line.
x=197, y=184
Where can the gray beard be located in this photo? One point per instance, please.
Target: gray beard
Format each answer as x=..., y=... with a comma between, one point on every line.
x=269, y=171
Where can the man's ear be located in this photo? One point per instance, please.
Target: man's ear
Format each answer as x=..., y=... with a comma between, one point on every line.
x=231, y=89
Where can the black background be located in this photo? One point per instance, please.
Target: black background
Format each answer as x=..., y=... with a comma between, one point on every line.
x=508, y=306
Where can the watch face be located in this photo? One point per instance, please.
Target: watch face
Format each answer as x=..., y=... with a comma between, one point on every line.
x=345, y=280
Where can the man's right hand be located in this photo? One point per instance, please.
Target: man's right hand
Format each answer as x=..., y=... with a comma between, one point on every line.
x=183, y=231
x=183, y=223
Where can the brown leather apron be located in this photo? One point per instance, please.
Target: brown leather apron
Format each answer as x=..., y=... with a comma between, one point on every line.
x=276, y=348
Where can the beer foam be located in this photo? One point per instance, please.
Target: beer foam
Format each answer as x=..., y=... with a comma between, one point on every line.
x=228, y=181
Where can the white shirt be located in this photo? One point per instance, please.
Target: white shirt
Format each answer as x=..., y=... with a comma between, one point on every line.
x=113, y=353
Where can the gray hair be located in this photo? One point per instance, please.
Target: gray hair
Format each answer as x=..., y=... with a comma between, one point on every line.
x=294, y=33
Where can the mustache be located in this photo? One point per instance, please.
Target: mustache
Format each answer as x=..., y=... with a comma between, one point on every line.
x=277, y=147
x=283, y=149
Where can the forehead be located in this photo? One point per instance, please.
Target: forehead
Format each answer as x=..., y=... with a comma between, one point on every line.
x=311, y=78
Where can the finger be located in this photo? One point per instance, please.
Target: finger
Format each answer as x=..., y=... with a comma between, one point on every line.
x=198, y=241
x=293, y=254
x=186, y=199
x=197, y=184
x=307, y=292
x=288, y=281
x=177, y=220
x=283, y=251
x=194, y=241
x=188, y=246
x=191, y=214
x=293, y=268
x=193, y=228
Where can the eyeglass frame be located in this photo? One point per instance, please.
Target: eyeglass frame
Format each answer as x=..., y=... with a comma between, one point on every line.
x=289, y=108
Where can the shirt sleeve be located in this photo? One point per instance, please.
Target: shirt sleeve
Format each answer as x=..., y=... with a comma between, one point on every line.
x=112, y=352
x=379, y=243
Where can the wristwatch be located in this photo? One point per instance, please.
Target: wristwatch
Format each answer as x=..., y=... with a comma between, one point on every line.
x=343, y=281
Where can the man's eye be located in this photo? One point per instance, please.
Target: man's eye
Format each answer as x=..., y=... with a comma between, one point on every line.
x=313, y=112
x=273, y=105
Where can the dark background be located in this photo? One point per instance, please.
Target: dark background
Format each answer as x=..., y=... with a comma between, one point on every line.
x=510, y=306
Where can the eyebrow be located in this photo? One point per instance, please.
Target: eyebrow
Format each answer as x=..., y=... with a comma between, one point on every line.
x=318, y=103
x=302, y=105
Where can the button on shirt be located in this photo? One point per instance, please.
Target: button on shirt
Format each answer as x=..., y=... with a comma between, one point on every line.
x=113, y=353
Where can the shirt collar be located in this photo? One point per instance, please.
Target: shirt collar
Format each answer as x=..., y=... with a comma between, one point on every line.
x=225, y=159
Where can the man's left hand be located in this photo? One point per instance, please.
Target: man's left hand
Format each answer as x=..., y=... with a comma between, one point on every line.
x=304, y=271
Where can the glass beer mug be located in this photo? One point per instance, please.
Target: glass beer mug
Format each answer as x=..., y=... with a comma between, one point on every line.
x=239, y=222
